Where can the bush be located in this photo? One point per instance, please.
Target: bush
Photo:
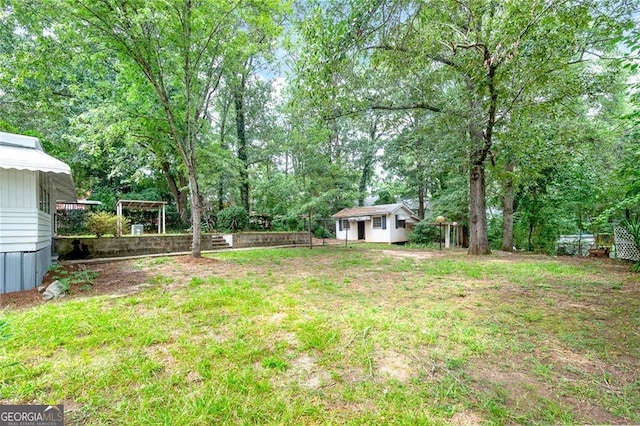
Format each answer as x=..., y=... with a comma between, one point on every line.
x=103, y=223
x=233, y=219
x=424, y=233
x=320, y=231
x=71, y=222
x=287, y=223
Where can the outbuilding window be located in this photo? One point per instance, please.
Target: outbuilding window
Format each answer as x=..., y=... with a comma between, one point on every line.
x=379, y=222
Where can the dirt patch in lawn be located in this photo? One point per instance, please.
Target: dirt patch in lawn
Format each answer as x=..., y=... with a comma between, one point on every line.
x=526, y=392
x=394, y=365
x=196, y=260
x=111, y=278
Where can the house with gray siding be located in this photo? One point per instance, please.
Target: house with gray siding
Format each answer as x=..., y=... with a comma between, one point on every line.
x=30, y=183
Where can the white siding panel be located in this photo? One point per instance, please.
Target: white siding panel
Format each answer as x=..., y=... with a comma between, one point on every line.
x=377, y=235
x=17, y=189
x=401, y=234
x=18, y=229
x=398, y=235
x=350, y=235
x=45, y=233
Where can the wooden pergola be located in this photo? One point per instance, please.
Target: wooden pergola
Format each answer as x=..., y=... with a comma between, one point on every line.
x=142, y=205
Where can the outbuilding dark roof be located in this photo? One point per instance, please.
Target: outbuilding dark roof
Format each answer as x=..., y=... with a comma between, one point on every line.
x=369, y=210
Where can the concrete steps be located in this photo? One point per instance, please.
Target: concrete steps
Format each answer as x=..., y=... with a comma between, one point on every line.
x=217, y=242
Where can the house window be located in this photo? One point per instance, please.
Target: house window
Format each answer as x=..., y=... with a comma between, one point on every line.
x=44, y=198
x=400, y=223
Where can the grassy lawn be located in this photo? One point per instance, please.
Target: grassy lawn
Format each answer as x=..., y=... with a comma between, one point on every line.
x=361, y=335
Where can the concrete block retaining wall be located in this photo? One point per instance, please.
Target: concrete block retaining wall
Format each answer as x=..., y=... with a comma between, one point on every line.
x=267, y=239
x=94, y=248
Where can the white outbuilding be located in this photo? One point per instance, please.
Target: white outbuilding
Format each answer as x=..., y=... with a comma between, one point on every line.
x=386, y=223
x=30, y=183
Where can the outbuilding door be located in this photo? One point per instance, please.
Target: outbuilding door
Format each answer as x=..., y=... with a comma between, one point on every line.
x=361, y=230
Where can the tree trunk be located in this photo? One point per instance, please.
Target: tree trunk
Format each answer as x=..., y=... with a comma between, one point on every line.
x=195, y=212
x=220, y=194
x=177, y=191
x=480, y=147
x=478, y=241
x=507, y=210
x=238, y=98
x=421, y=191
x=365, y=176
x=223, y=145
x=182, y=206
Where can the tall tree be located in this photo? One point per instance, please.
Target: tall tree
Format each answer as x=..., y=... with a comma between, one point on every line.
x=180, y=47
x=473, y=60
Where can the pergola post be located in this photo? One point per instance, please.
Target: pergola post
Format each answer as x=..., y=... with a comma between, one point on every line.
x=447, y=236
x=143, y=205
x=119, y=214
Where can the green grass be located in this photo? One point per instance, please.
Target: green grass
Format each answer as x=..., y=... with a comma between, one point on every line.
x=359, y=335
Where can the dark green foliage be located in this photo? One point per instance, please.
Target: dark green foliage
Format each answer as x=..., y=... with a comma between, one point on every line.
x=106, y=195
x=633, y=226
x=539, y=236
x=424, y=233
x=288, y=223
x=233, y=219
x=173, y=218
x=319, y=231
x=72, y=222
x=83, y=279
x=385, y=197
x=494, y=232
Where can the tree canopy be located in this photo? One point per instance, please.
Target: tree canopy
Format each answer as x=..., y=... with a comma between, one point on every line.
x=518, y=119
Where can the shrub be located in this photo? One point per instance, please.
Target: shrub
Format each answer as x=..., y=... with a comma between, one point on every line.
x=71, y=222
x=320, y=231
x=103, y=223
x=287, y=223
x=424, y=233
x=633, y=226
x=233, y=219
